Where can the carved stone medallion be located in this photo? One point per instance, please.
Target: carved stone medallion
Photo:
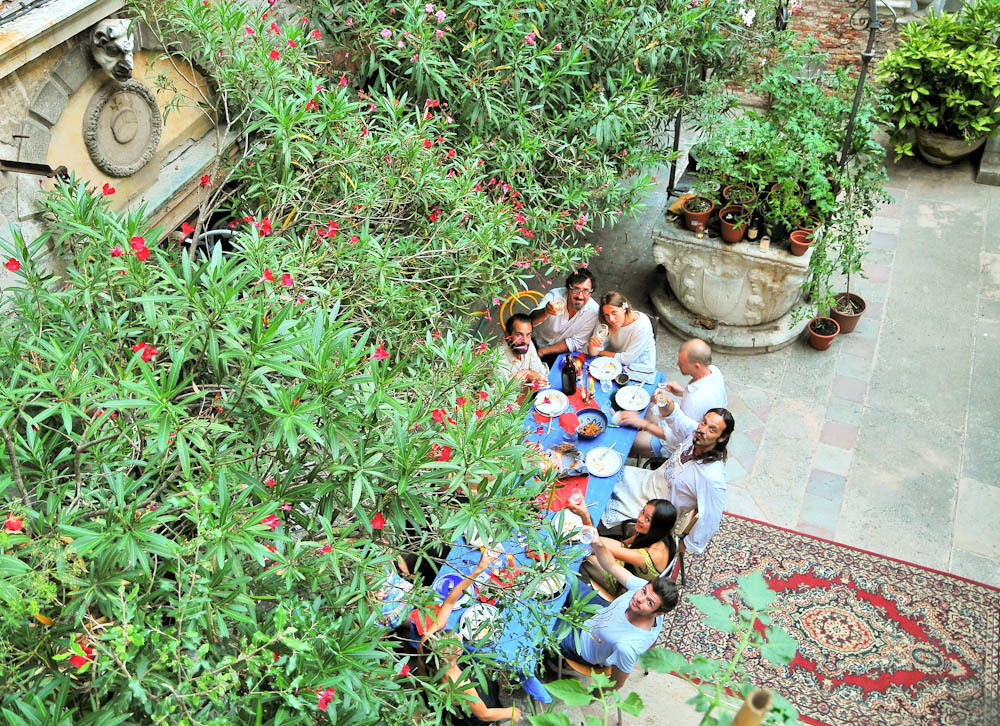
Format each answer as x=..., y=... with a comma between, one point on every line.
x=122, y=127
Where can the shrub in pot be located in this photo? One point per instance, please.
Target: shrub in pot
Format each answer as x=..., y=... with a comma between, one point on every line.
x=697, y=210
x=822, y=331
x=942, y=81
x=733, y=220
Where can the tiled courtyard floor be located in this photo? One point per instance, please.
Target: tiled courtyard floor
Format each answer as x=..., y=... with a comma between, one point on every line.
x=890, y=440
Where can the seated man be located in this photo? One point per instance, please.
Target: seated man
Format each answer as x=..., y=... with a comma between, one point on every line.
x=520, y=359
x=693, y=479
x=705, y=390
x=565, y=318
x=625, y=629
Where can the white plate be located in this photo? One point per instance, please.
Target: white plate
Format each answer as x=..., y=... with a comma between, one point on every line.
x=548, y=586
x=571, y=523
x=605, y=368
x=478, y=621
x=603, y=461
x=551, y=402
x=632, y=398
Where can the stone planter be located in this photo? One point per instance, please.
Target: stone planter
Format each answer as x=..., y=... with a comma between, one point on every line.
x=942, y=149
x=737, y=296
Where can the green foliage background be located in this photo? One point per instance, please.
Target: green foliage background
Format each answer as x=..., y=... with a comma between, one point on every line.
x=144, y=485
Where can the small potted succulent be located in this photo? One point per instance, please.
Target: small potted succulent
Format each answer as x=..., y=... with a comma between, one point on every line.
x=941, y=82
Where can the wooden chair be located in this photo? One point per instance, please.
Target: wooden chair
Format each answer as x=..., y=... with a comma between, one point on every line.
x=587, y=670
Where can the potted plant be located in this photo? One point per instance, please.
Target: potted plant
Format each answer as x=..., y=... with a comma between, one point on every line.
x=697, y=209
x=822, y=331
x=733, y=220
x=799, y=241
x=942, y=81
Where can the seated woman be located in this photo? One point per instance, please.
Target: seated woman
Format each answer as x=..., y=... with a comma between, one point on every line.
x=630, y=334
x=648, y=546
x=440, y=660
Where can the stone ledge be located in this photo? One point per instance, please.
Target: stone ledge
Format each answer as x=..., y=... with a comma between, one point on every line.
x=736, y=339
x=989, y=166
x=29, y=36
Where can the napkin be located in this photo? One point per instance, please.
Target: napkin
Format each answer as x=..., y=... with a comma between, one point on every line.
x=560, y=497
x=570, y=422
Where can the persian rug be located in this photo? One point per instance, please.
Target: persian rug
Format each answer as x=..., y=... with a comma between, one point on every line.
x=880, y=641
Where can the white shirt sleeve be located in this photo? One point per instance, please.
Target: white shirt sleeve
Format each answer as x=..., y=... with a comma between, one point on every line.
x=678, y=422
x=639, y=348
x=711, y=502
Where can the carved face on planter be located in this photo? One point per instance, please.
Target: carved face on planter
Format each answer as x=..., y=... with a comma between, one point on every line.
x=111, y=45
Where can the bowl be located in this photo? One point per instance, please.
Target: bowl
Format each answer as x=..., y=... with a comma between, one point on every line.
x=622, y=379
x=588, y=418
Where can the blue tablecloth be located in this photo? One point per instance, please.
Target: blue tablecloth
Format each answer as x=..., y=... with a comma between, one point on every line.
x=516, y=644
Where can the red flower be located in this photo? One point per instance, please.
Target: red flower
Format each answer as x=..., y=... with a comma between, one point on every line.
x=428, y=143
x=436, y=334
x=380, y=353
x=291, y=43
x=479, y=413
x=378, y=521
x=405, y=670
x=250, y=31
x=268, y=276
x=275, y=654
x=264, y=226
x=270, y=483
x=460, y=401
x=13, y=524
x=451, y=153
x=343, y=80
x=286, y=507
x=142, y=253
x=13, y=265
x=206, y=180
x=117, y=251
x=317, y=35
x=325, y=696
x=311, y=104
x=79, y=661
x=286, y=280
x=274, y=55
x=483, y=395
x=326, y=548
x=107, y=190
x=271, y=521
x=440, y=452
x=483, y=347
x=438, y=415
x=187, y=230
x=137, y=243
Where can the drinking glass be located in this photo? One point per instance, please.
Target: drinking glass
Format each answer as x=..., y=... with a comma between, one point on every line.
x=601, y=332
x=559, y=305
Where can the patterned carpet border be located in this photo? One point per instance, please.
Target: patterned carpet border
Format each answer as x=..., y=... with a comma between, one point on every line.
x=881, y=640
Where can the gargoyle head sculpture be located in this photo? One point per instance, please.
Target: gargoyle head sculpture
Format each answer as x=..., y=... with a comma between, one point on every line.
x=111, y=44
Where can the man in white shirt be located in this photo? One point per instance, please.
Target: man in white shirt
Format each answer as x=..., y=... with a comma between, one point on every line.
x=705, y=390
x=693, y=478
x=628, y=627
x=566, y=317
x=520, y=359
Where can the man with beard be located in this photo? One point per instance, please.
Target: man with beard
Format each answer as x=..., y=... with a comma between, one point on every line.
x=693, y=478
x=566, y=317
x=520, y=359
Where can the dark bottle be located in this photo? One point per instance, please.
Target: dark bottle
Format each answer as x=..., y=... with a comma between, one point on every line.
x=753, y=226
x=568, y=376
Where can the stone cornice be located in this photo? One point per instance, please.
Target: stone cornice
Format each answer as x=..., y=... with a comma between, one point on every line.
x=29, y=36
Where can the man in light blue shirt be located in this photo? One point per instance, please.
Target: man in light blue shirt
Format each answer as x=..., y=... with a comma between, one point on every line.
x=625, y=629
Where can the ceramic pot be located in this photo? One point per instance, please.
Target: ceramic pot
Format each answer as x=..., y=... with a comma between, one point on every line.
x=847, y=321
x=697, y=220
x=810, y=228
x=942, y=149
x=730, y=232
x=821, y=339
x=799, y=242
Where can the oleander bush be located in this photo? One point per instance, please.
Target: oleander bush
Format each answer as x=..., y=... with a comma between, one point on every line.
x=214, y=453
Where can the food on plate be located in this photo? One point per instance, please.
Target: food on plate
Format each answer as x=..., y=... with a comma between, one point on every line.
x=591, y=428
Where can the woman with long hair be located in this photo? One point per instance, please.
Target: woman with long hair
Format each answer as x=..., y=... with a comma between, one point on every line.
x=628, y=336
x=647, y=549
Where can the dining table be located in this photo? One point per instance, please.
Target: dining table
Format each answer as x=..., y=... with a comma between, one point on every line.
x=515, y=636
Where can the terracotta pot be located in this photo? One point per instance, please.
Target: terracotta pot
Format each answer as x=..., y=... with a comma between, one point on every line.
x=799, y=242
x=814, y=224
x=821, y=341
x=848, y=321
x=730, y=232
x=696, y=221
x=942, y=149
x=739, y=194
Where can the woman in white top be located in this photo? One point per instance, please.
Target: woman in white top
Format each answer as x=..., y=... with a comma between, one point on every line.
x=630, y=334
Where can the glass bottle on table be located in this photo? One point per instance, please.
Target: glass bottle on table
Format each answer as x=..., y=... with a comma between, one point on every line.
x=568, y=375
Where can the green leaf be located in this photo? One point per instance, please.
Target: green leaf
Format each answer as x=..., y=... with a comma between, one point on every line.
x=549, y=719
x=632, y=704
x=663, y=660
x=570, y=691
x=755, y=590
x=780, y=647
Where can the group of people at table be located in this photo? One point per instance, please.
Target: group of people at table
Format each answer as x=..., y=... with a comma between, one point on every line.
x=653, y=513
